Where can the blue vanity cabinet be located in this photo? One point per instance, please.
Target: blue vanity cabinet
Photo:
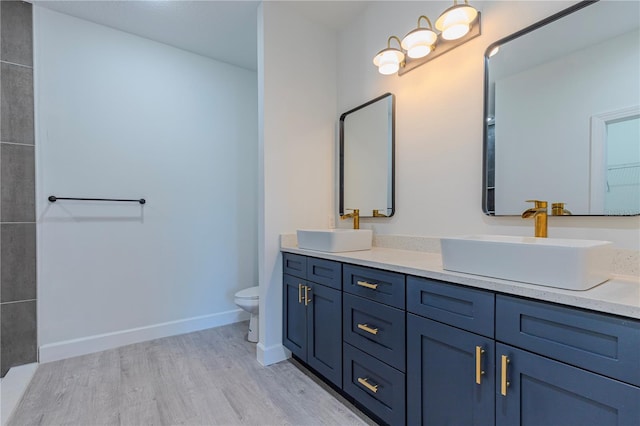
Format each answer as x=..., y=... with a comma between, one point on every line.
x=450, y=366
x=312, y=315
x=418, y=351
x=535, y=390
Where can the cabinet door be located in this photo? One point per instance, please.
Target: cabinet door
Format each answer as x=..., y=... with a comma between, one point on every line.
x=294, y=332
x=324, y=332
x=442, y=386
x=542, y=391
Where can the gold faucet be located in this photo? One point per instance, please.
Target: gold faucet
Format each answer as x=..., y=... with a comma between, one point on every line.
x=356, y=217
x=378, y=213
x=539, y=214
x=557, y=209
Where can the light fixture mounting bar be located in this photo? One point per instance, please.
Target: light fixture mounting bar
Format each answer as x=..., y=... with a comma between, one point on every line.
x=442, y=47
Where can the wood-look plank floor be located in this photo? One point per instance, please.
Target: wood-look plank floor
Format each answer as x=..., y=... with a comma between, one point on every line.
x=210, y=377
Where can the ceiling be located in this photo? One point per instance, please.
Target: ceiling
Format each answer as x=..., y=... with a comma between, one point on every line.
x=222, y=30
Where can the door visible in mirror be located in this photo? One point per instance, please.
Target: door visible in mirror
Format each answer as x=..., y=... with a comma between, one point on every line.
x=367, y=158
x=562, y=101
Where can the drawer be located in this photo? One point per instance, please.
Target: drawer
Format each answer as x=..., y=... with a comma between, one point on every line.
x=466, y=308
x=326, y=272
x=294, y=264
x=381, y=286
x=601, y=343
x=374, y=384
x=377, y=329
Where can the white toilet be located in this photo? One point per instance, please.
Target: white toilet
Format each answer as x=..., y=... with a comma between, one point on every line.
x=248, y=299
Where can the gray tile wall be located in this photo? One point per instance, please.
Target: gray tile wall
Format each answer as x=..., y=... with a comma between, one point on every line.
x=18, y=330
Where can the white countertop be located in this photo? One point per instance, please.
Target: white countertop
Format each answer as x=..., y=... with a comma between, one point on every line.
x=619, y=296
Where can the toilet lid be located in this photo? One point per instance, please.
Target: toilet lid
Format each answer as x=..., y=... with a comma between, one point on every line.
x=249, y=293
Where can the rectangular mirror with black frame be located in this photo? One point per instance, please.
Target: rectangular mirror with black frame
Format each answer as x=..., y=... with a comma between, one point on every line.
x=367, y=144
x=562, y=113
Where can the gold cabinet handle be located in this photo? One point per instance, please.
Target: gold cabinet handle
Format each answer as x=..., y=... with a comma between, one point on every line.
x=367, y=285
x=504, y=383
x=299, y=293
x=368, y=329
x=307, y=290
x=365, y=382
x=479, y=370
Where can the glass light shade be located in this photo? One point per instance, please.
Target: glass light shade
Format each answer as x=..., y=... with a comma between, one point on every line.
x=388, y=60
x=419, y=42
x=455, y=21
x=456, y=31
x=389, y=68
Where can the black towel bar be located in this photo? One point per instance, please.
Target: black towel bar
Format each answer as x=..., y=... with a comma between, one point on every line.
x=53, y=199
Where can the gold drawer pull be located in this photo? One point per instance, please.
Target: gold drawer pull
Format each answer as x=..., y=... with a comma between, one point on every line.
x=307, y=290
x=368, y=329
x=479, y=370
x=366, y=384
x=504, y=383
x=367, y=285
x=299, y=293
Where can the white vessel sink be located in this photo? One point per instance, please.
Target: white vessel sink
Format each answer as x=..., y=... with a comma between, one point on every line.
x=552, y=262
x=335, y=240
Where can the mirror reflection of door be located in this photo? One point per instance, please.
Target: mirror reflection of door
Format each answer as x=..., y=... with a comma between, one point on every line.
x=615, y=162
x=366, y=153
x=622, y=196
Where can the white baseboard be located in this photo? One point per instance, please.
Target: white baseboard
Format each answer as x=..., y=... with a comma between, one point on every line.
x=272, y=354
x=101, y=342
x=12, y=387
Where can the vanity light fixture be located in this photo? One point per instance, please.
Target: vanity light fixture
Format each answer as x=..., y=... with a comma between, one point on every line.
x=458, y=24
x=390, y=59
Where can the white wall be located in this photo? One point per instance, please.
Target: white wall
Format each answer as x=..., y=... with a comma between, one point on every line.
x=298, y=116
x=120, y=116
x=439, y=109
